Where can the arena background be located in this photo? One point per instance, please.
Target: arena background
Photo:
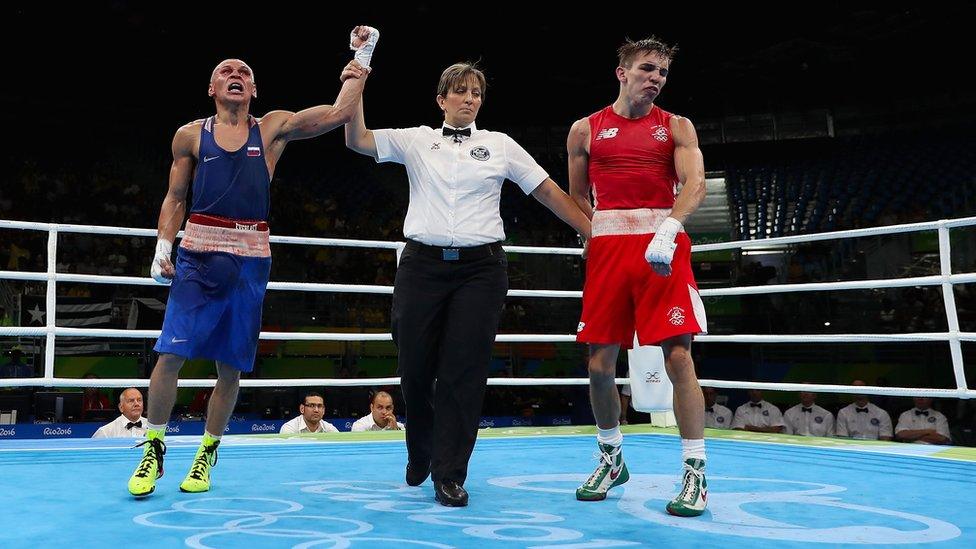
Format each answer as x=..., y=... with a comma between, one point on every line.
x=812, y=118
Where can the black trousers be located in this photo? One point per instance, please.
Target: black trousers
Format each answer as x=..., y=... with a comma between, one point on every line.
x=445, y=318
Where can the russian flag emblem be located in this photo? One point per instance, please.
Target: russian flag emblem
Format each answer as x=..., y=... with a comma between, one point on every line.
x=254, y=151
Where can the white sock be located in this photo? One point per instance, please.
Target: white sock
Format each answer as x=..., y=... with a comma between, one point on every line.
x=215, y=437
x=692, y=448
x=611, y=436
x=152, y=427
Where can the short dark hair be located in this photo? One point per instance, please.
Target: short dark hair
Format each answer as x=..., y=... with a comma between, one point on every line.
x=458, y=73
x=652, y=44
x=311, y=394
x=372, y=399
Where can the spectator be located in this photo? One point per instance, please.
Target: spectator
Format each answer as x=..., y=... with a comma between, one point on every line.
x=807, y=419
x=94, y=400
x=5, y=318
x=381, y=416
x=130, y=424
x=863, y=420
x=15, y=368
x=923, y=425
x=716, y=415
x=310, y=421
x=758, y=415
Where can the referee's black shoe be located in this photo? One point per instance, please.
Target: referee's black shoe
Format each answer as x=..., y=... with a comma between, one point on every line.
x=416, y=475
x=450, y=493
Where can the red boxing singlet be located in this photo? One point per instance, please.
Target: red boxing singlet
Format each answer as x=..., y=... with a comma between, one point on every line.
x=632, y=161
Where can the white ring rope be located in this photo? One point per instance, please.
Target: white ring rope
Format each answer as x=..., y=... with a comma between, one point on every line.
x=946, y=279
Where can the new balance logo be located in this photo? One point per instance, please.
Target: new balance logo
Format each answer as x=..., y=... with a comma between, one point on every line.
x=607, y=133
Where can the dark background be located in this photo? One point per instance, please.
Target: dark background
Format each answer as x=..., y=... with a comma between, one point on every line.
x=85, y=78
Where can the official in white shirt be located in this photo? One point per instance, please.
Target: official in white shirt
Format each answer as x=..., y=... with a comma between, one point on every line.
x=716, y=415
x=130, y=424
x=758, y=415
x=452, y=277
x=380, y=417
x=808, y=419
x=923, y=425
x=863, y=420
x=312, y=409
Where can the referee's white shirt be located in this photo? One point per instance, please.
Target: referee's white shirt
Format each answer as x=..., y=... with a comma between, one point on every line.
x=914, y=419
x=718, y=417
x=764, y=414
x=818, y=422
x=868, y=423
x=116, y=429
x=455, y=187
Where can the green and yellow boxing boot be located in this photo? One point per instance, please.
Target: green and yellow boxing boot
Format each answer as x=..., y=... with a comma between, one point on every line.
x=143, y=481
x=198, y=479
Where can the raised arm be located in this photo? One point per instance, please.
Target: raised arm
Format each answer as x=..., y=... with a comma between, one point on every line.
x=284, y=126
x=579, y=166
x=174, y=204
x=358, y=137
x=280, y=127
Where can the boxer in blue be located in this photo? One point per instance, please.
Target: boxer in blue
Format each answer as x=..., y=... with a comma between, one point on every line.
x=224, y=260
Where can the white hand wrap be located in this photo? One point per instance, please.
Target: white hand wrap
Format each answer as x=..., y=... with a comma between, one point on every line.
x=662, y=246
x=364, y=53
x=164, y=249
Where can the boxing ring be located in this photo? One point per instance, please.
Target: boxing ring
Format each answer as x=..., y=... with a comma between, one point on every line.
x=346, y=489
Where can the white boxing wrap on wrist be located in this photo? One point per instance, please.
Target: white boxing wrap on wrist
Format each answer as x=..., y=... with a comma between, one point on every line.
x=364, y=53
x=662, y=246
x=164, y=250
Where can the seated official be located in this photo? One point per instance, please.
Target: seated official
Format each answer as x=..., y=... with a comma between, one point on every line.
x=923, y=424
x=716, y=415
x=380, y=416
x=758, y=416
x=130, y=424
x=312, y=409
x=807, y=419
x=863, y=420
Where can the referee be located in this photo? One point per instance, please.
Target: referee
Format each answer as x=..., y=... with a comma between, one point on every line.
x=452, y=278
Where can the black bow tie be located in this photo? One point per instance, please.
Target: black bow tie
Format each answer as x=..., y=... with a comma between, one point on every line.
x=861, y=410
x=710, y=410
x=130, y=425
x=755, y=404
x=810, y=409
x=921, y=412
x=458, y=134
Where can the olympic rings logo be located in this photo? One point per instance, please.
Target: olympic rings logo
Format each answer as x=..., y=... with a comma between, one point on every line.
x=224, y=520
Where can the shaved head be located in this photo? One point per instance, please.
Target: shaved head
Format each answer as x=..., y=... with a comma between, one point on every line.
x=233, y=62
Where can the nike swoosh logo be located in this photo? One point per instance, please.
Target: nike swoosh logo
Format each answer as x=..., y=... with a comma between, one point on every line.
x=179, y=340
x=209, y=158
x=614, y=473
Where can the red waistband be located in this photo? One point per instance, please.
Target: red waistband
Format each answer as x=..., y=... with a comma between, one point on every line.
x=240, y=224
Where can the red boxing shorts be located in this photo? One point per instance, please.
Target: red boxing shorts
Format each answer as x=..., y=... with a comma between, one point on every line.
x=622, y=293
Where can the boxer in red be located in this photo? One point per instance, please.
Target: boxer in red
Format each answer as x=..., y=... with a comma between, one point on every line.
x=632, y=156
